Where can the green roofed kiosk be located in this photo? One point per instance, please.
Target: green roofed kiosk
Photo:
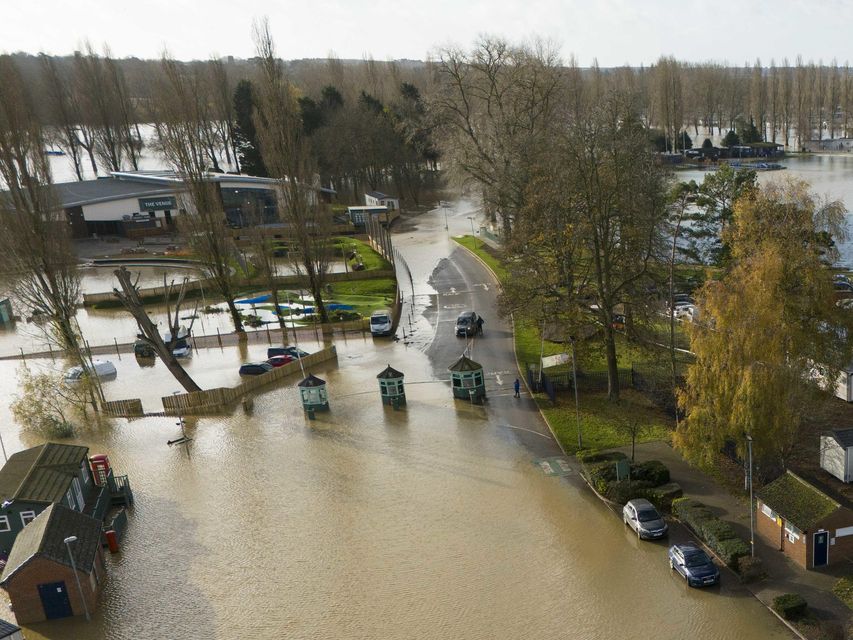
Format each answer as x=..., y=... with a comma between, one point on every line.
x=391, y=387
x=312, y=390
x=466, y=378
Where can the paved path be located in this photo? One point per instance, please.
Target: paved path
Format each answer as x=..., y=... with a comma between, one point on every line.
x=784, y=575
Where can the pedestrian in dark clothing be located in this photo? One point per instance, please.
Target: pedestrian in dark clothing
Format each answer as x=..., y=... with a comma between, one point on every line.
x=480, y=326
x=517, y=388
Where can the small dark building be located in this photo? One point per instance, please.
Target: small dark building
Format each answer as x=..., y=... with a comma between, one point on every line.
x=466, y=378
x=391, y=386
x=39, y=577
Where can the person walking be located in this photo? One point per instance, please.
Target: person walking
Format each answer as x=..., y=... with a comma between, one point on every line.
x=480, y=325
x=517, y=388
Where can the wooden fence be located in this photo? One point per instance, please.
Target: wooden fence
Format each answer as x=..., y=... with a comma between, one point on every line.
x=216, y=400
x=124, y=408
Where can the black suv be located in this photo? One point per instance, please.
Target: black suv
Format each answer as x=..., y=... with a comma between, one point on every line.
x=466, y=324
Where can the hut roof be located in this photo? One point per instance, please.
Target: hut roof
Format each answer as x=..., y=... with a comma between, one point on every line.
x=389, y=373
x=311, y=381
x=465, y=364
x=797, y=501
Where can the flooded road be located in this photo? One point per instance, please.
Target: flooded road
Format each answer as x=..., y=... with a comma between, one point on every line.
x=429, y=522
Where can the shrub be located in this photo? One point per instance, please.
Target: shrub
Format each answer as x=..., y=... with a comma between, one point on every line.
x=714, y=531
x=692, y=513
x=843, y=589
x=652, y=471
x=601, y=472
x=663, y=496
x=750, y=568
x=790, y=606
x=731, y=551
x=588, y=456
x=623, y=490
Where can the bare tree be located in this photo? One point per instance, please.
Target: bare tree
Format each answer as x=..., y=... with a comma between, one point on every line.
x=35, y=247
x=180, y=121
x=286, y=155
x=130, y=300
x=64, y=112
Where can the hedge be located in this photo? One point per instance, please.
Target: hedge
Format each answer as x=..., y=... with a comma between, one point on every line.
x=718, y=535
x=623, y=490
x=653, y=472
x=588, y=456
x=790, y=606
x=663, y=495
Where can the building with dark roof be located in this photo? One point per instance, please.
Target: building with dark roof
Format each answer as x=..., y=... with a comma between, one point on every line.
x=9, y=631
x=40, y=574
x=836, y=453
x=379, y=199
x=142, y=203
x=803, y=522
x=33, y=479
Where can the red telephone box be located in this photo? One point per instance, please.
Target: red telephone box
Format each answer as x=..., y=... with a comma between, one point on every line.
x=100, y=465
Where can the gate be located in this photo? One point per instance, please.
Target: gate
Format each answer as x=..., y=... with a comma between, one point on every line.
x=54, y=599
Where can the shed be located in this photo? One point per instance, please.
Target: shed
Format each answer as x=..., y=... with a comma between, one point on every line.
x=807, y=525
x=379, y=199
x=844, y=384
x=836, y=453
x=39, y=577
x=312, y=390
x=391, y=386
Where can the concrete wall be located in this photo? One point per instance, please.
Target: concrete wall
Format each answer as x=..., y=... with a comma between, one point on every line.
x=23, y=587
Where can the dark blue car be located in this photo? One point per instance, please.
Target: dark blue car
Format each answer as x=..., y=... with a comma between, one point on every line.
x=694, y=565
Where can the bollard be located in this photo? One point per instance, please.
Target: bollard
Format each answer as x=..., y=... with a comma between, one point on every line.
x=219, y=337
x=115, y=342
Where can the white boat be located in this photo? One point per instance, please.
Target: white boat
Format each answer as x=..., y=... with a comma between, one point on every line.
x=104, y=369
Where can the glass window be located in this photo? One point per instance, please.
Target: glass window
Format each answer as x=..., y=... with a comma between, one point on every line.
x=27, y=517
x=4, y=523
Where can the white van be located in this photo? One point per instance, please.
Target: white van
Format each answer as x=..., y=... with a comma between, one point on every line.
x=104, y=369
x=380, y=323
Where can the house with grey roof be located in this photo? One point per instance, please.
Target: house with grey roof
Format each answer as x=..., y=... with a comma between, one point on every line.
x=56, y=567
x=836, y=453
x=33, y=479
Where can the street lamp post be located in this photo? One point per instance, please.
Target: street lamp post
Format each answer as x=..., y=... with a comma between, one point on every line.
x=751, y=500
x=68, y=542
x=473, y=233
x=575, y=385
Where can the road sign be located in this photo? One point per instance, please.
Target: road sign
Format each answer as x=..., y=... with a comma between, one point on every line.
x=553, y=361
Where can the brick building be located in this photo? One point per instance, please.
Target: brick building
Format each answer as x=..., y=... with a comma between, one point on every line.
x=38, y=576
x=804, y=523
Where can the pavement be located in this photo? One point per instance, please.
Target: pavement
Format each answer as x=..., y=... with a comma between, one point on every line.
x=783, y=575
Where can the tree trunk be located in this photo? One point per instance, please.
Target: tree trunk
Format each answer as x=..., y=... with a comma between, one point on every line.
x=235, y=316
x=612, y=363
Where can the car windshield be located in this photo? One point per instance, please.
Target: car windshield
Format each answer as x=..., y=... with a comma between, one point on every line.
x=378, y=319
x=647, y=515
x=695, y=559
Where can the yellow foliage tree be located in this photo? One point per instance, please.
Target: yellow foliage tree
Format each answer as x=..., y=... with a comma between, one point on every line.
x=771, y=337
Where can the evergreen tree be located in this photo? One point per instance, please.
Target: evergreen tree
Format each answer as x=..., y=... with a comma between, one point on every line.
x=244, y=131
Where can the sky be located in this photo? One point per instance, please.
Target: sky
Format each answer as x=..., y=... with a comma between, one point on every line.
x=613, y=32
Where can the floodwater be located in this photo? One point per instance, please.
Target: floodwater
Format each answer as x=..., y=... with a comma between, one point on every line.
x=430, y=522
x=373, y=523
x=830, y=175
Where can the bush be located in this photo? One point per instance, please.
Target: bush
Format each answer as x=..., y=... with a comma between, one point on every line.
x=750, y=568
x=843, y=590
x=653, y=471
x=663, y=496
x=692, y=513
x=714, y=531
x=731, y=551
x=588, y=456
x=623, y=490
x=790, y=606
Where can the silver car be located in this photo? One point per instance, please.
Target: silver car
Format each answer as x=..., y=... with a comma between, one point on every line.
x=642, y=517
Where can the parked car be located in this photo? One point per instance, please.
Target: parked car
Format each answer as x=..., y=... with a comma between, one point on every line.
x=684, y=311
x=694, y=565
x=642, y=517
x=280, y=361
x=143, y=349
x=293, y=352
x=255, y=368
x=466, y=324
x=380, y=323
x=182, y=351
x=103, y=369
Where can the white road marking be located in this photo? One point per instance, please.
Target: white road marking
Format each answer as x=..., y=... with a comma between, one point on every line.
x=509, y=426
x=498, y=379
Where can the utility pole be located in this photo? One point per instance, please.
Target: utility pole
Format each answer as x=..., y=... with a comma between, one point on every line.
x=751, y=500
x=68, y=542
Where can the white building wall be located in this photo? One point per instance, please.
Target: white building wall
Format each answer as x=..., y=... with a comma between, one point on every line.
x=115, y=210
x=833, y=458
x=843, y=387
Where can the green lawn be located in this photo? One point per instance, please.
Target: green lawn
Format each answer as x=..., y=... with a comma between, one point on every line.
x=601, y=420
x=371, y=259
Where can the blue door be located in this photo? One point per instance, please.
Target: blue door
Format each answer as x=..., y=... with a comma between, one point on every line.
x=54, y=599
x=821, y=548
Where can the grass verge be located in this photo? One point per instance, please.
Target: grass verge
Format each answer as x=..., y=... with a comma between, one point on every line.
x=603, y=423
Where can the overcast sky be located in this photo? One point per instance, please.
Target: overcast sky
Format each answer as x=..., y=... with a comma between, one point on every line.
x=613, y=31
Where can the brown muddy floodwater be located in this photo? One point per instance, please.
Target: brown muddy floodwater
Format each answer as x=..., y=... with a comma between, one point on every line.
x=430, y=523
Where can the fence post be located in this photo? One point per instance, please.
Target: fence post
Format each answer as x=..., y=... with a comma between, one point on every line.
x=115, y=342
x=219, y=337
